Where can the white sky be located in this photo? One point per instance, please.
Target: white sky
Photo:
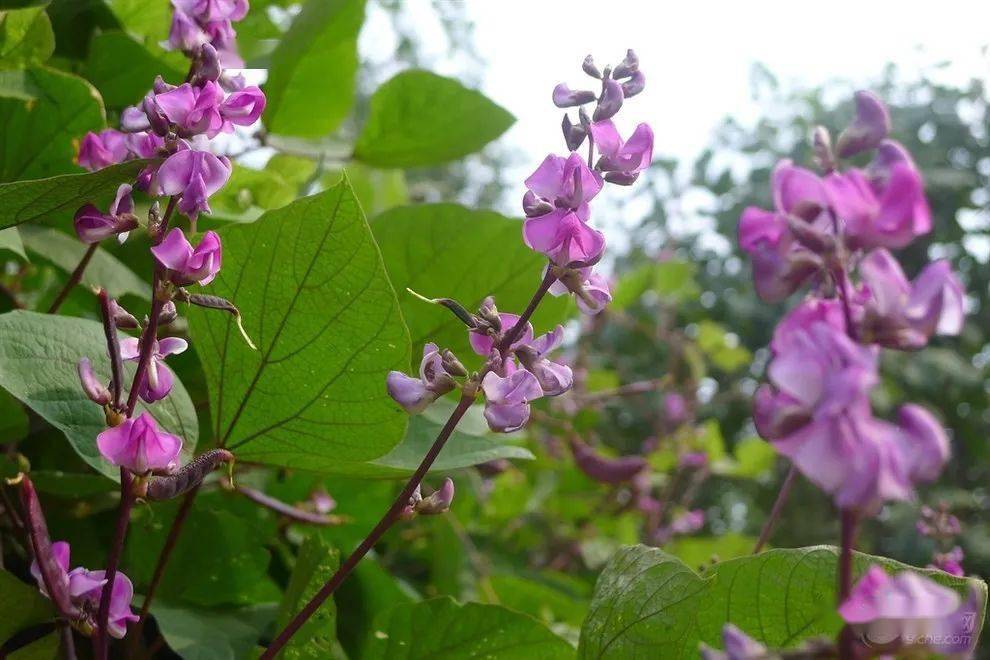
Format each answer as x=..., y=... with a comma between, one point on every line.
x=697, y=56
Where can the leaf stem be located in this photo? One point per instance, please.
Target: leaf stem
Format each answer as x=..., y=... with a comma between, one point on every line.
x=778, y=506
x=848, y=540
x=287, y=510
x=379, y=530
x=74, y=278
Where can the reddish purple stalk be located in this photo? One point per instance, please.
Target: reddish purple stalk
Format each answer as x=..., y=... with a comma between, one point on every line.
x=778, y=507
x=74, y=278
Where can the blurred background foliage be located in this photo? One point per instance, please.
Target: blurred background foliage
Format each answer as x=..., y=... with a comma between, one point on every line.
x=533, y=534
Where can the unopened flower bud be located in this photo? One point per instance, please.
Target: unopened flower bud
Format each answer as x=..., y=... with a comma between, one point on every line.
x=584, y=118
x=451, y=364
x=810, y=236
x=602, y=469
x=821, y=142
x=621, y=178
x=534, y=206
x=588, y=66
x=635, y=85
x=207, y=65
x=94, y=389
x=439, y=501
x=565, y=97
x=489, y=314
x=610, y=101
x=627, y=67
x=869, y=128
x=168, y=313
x=409, y=510
x=121, y=317
x=573, y=135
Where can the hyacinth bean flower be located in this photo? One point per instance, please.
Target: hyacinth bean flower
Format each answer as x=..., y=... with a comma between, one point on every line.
x=591, y=290
x=208, y=11
x=437, y=502
x=554, y=378
x=85, y=587
x=99, y=150
x=869, y=128
x=565, y=97
x=195, y=175
x=507, y=399
x=482, y=343
x=911, y=610
x=622, y=160
x=92, y=225
x=950, y=562
x=243, y=107
x=565, y=183
x=900, y=314
x=416, y=394
x=159, y=379
x=187, y=264
x=738, y=646
x=190, y=109
x=94, y=389
x=140, y=446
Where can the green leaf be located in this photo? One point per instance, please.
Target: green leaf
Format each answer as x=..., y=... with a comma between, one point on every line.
x=11, y=241
x=419, y=118
x=699, y=551
x=543, y=597
x=126, y=85
x=72, y=485
x=315, y=565
x=21, y=605
x=442, y=628
x=448, y=251
x=104, y=269
x=754, y=458
x=59, y=197
x=312, y=289
x=249, y=193
x=721, y=348
x=369, y=591
x=218, y=561
x=14, y=421
x=21, y=4
x=198, y=634
x=147, y=19
x=39, y=137
x=26, y=38
x=462, y=450
x=17, y=84
x=647, y=601
x=310, y=86
x=38, y=358
x=377, y=190
x=46, y=648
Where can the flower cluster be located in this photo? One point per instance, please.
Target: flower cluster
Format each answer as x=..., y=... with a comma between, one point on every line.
x=558, y=193
x=198, y=22
x=84, y=588
x=942, y=527
x=834, y=232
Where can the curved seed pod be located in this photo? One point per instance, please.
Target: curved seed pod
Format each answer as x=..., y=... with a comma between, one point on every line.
x=216, y=302
x=188, y=477
x=605, y=470
x=52, y=574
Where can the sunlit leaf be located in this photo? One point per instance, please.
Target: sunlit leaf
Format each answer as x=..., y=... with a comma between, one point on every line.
x=315, y=565
x=127, y=85
x=419, y=118
x=26, y=38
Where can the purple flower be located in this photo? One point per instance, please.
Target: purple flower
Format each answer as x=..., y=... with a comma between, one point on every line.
x=591, y=291
x=140, y=446
x=438, y=501
x=144, y=144
x=507, y=399
x=223, y=37
x=244, y=106
x=159, y=378
x=92, y=226
x=950, y=562
x=624, y=158
x=99, y=150
x=195, y=175
x=923, y=441
x=483, y=343
x=94, y=389
x=185, y=34
x=565, y=97
x=206, y=11
x=910, y=609
x=554, y=378
x=563, y=237
x=675, y=409
x=889, y=213
x=868, y=130
x=565, y=183
x=192, y=110
x=780, y=262
x=60, y=553
x=610, y=101
x=738, y=646
x=187, y=264
x=415, y=394
x=900, y=314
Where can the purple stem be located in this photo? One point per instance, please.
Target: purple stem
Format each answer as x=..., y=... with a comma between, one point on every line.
x=778, y=507
x=101, y=642
x=848, y=518
x=287, y=510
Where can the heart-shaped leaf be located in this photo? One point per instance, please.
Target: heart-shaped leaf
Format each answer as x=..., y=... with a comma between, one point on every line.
x=650, y=603
x=419, y=118
x=314, y=296
x=38, y=358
